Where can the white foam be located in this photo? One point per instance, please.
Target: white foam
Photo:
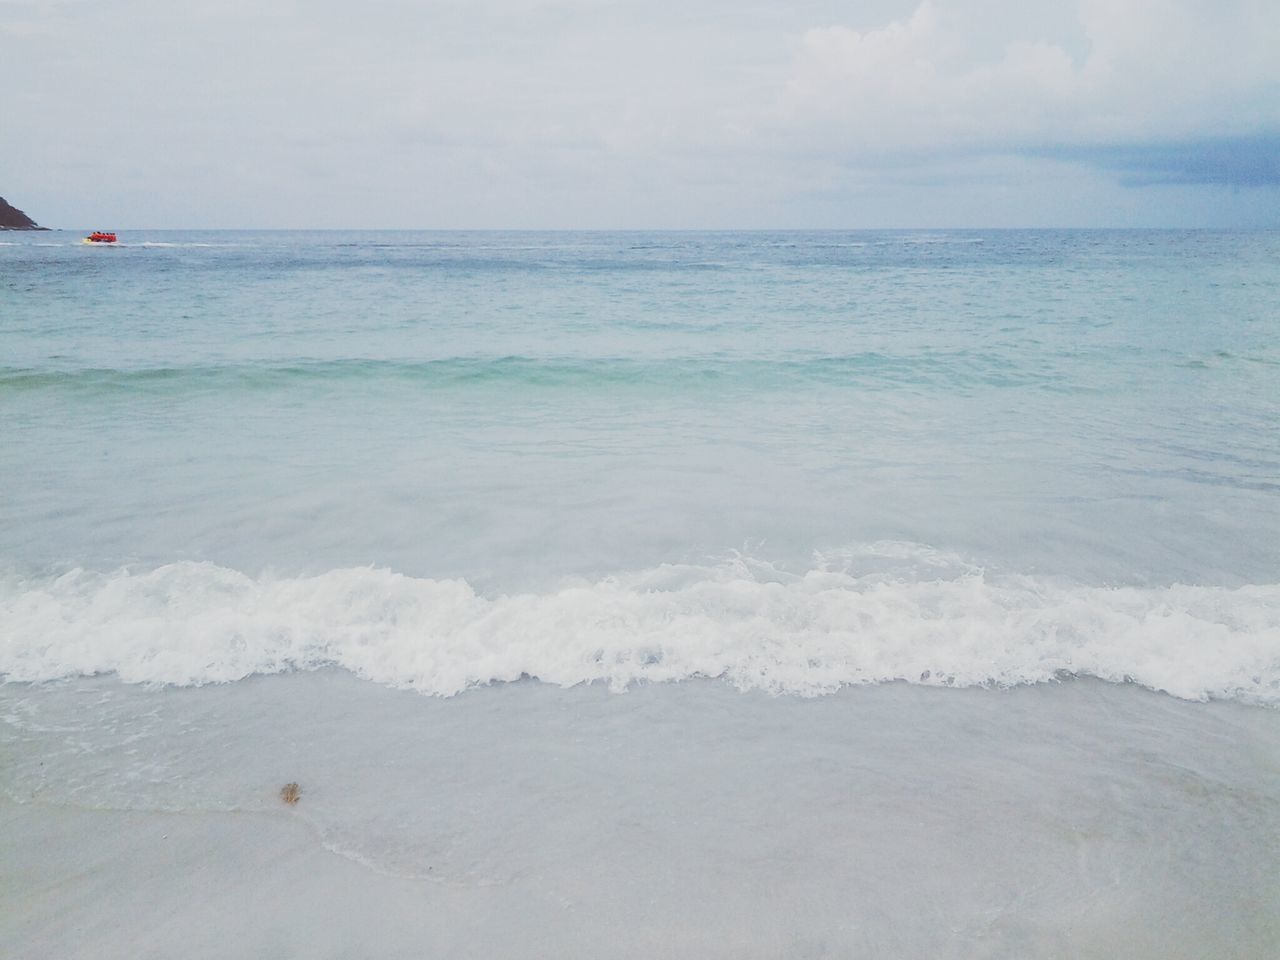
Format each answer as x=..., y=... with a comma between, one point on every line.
x=746, y=622
x=168, y=243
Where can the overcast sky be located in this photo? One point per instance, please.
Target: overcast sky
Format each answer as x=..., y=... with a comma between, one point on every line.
x=641, y=113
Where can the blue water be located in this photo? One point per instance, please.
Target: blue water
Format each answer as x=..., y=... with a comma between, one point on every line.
x=519, y=411
x=772, y=594
x=1096, y=404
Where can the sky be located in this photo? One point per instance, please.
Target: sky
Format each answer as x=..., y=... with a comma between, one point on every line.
x=641, y=114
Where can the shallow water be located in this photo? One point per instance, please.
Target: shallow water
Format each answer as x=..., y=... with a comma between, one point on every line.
x=1018, y=414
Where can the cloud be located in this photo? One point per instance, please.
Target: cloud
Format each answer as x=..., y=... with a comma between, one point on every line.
x=1226, y=161
x=620, y=112
x=1148, y=70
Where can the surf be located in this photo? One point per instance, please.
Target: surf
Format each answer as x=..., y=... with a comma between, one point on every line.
x=749, y=623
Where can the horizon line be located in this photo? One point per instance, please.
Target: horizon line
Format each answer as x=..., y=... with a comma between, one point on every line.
x=883, y=229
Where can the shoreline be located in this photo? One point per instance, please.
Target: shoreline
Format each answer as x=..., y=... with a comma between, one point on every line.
x=1083, y=819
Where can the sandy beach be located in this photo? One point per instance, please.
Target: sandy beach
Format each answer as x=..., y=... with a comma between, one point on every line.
x=673, y=820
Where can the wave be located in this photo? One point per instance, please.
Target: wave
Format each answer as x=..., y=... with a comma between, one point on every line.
x=743, y=621
x=956, y=369
x=163, y=244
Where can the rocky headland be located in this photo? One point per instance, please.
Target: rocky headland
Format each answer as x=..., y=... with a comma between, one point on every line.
x=11, y=218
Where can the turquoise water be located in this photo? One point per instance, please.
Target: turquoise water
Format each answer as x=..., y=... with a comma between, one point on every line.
x=499, y=406
x=773, y=594
x=1022, y=414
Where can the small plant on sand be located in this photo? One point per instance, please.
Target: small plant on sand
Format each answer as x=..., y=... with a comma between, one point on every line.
x=290, y=793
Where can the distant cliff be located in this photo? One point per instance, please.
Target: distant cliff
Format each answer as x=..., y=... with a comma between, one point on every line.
x=11, y=218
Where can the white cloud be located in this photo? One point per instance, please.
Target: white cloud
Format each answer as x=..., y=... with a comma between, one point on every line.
x=1151, y=69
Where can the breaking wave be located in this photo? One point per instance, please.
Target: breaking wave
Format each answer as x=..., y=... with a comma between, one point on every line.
x=743, y=621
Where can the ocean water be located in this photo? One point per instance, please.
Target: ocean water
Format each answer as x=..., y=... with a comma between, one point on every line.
x=824, y=594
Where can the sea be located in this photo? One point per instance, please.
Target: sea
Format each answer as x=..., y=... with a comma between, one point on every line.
x=623, y=594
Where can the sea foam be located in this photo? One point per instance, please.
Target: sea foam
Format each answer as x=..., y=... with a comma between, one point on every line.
x=746, y=622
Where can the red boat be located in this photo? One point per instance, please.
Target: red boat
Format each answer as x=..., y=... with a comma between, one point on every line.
x=99, y=237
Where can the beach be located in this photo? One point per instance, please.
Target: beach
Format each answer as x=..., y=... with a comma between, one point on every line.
x=1073, y=819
